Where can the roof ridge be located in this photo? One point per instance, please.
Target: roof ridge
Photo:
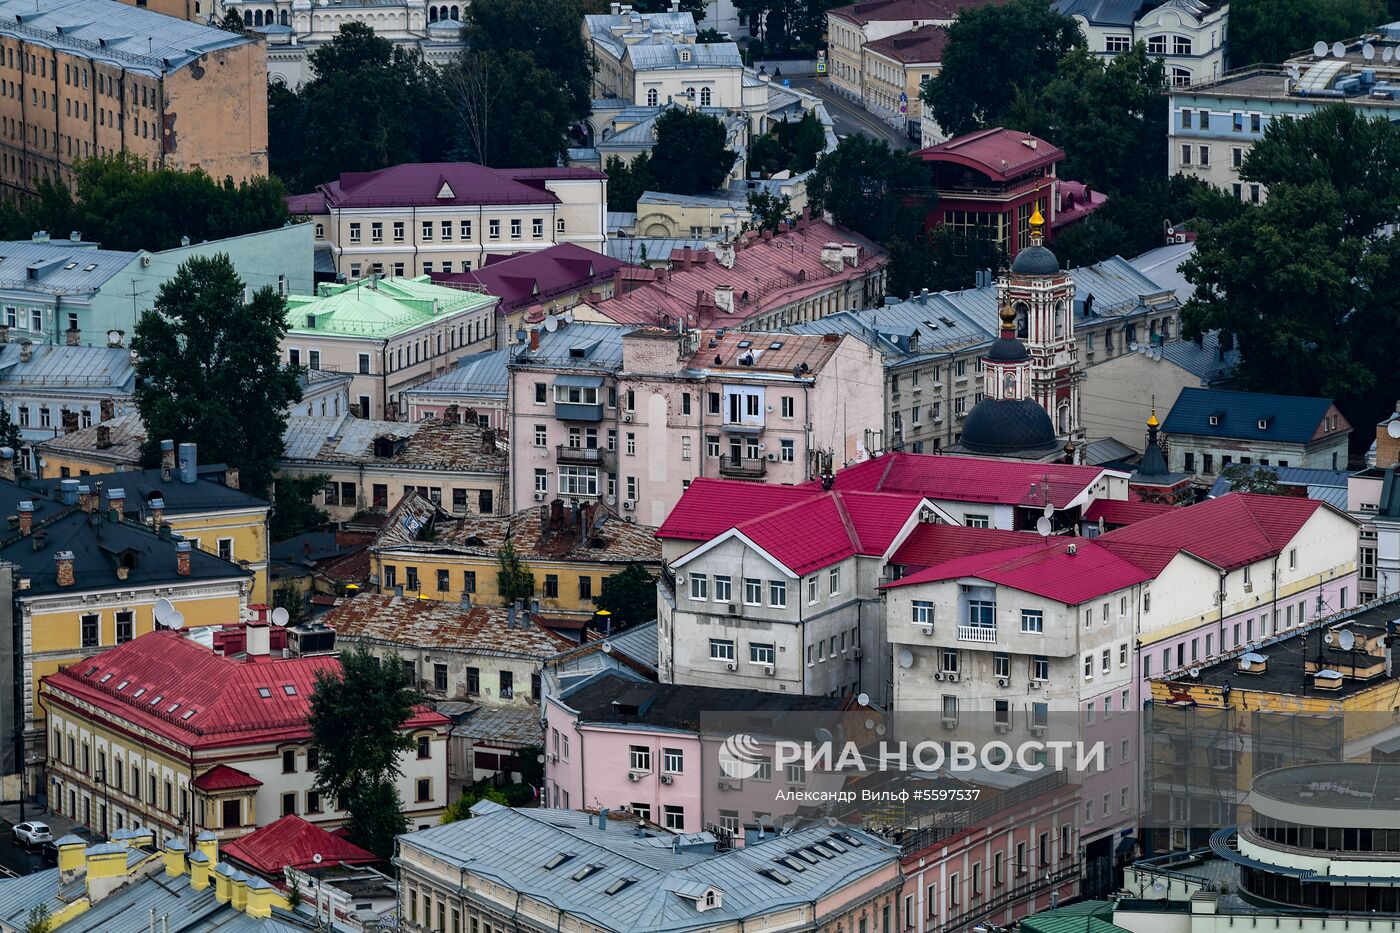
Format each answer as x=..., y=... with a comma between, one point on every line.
x=851, y=533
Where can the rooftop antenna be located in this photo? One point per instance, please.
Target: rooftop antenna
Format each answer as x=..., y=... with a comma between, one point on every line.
x=1339, y=50
x=1368, y=51
x=167, y=616
x=1043, y=527
x=1320, y=49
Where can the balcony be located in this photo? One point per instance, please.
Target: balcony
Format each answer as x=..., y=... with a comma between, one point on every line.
x=578, y=411
x=746, y=428
x=743, y=467
x=583, y=456
x=987, y=634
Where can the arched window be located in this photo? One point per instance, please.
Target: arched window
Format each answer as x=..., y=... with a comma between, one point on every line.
x=247, y=17
x=704, y=97
x=1181, y=77
x=456, y=13
x=1064, y=418
x=257, y=18
x=652, y=97
x=1059, y=319
x=432, y=14
x=285, y=18
x=1022, y=327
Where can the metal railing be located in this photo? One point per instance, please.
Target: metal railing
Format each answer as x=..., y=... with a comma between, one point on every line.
x=589, y=456
x=743, y=467
x=983, y=633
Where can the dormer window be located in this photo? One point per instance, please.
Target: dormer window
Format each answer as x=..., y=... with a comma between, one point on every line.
x=1263, y=424
x=685, y=55
x=1215, y=421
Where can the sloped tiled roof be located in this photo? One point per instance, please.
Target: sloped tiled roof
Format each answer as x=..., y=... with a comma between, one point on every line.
x=222, y=777
x=998, y=153
x=696, y=519
x=1289, y=419
x=1123, y=511
x=421, y=184
x=292, y=842
x=530, y=277
x=1047, y=569
x=933, y=543
x=965, y=479
x=914, y=46
x=824, y=529
x=431, y=623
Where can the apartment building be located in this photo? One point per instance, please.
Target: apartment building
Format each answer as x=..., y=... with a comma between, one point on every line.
x=420, y=218
x=389, y=334
x=850, y=28
x=653, y=58
x=51, y=390
x=166, y=733
x=87, y=79
x=1213, y=429
x=1189, y=38
x=894, y=70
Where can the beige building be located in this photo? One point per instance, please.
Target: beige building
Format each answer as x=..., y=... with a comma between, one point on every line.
x=89, y=78
x=373, y=464
x=389, y=334
x=420, y=218
x=895, y=68
x=849, y=28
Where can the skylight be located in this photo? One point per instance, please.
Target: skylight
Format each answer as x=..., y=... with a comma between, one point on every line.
x=557, y=859
x=122, y=685
x=772, y=874
x=618, y=885
x=156, y=699
x=188, y=714
x=139, y=691
x=173, y=707
x=834, y=845
x=92, y=670
x=791, y=864
x=806, y=856
x=289, y=689
x=89, y=267
x=776, y=345
x=264, y=692
x=105, y=677
x=849, y=839
x=585, y=871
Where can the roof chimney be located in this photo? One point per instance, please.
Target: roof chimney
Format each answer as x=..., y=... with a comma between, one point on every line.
x=189, y=463
x=26, y=517
x=68, y=492
x=157, y=507
x=182, y=558
x=7, y=463
x=231, y=477
x=104, y=437
x=72, y=336
x=116, y=501
x=87, y=499
x=534, y=339
x=259, y=638
x=26, y=350
x=63, y=562
x=167, y=459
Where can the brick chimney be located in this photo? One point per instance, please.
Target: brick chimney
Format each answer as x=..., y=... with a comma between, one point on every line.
x=116, y=501
x=7, y=464
x=63, y=567
x=157, y=507
x=182, y=558
x=26, y=517
x=167, y=459
x=87, y=499
x=534, y=339
x=104, y=437
x=73, y=337
x=231, y=477
x=106, y=410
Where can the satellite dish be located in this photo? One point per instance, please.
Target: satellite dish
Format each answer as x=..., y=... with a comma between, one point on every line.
x=551, y=324
x=1048, y=511
x=1159, y=888
x=176, y=620
x=1320, y=49
x=316, y=858
x=1368, y=51
x=1347, y=640
x=280, y=616
x=1194, y=672
x=1329, y=638
x=164, y=612
x=607, y=647
x=1294, y=71
x=1042, y=527
x=1338, y=50
x=906, y=658
x=1387, y=54
x=1393, y=428
x=568, y=317
x=863, y=699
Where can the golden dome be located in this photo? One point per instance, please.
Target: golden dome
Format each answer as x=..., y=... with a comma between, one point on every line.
x=1007, y=315
x=1037, y=220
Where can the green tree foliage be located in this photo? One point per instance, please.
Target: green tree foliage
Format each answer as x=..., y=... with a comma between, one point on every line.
x=871, y=188
x=627, y=183
x=121, y=205
x=768, y=211
x=1269, y=31
x=788, y=146
x=232, y=22
x=461, y=808
x=690, y=156
x=1024, y=38
x=1302, y=283
x=513, y=577
x=370, y=105
x=695, y=8
x=1244, y=477
x=629, y=595
x=9, y=431
x=294, y=509
x=709, y=37
x=287, y=595
x=210, y=371
x=356, y=717
x=39, y=919
x=783, y=28
x=942, y=259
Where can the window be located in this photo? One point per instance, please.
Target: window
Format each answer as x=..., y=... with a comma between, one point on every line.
x=537, y=228
x=976, y=520
x=639, y=758
x=354, y=233
x=787, y=450
x=673, y=817
x=1157, y=45
x=493, y=229
x=1001, y=665
x=922, y=612
x=753, y=592
x=1115, y=45
x=1033, y=621
x=289, y=804
x=721, y=649
x=423, y=788
x=507, y=685
x=90, y=630
x=761, y=654
x=673, y=760
x=440, y=672
x=722, y=589
x=1203, y=153
x=1040, y=668
x=699, y=586
x=777, y=594
x=1186, y=154
x=289, y=761
x=1181, y=45
x=551, y=586
x=834, y=581
x=473, y=681
x=515, y=228
x=981, y=613
x=585, y=588
x=948, y=660
x=125, y=627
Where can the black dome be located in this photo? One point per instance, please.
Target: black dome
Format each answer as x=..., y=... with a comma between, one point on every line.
x=1035, y=260
x=1007, y=350
x=999, y=426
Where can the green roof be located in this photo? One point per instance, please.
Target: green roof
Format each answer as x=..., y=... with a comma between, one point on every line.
x=377, y=309
x=1082, y=917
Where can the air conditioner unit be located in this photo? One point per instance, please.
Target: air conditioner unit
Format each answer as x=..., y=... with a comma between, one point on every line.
x=769, y=670
x=725, y=785
x=928, y=630
x=1037, y=730
x=772, y=458
x=1036, y=684
x=1003, y=681
x=539, y=497
x=551, y=757
x=1003, y=727
x=667, y=779
x=731, y=666
x=733, y=609
x=626, y=417
x=145, y=262
x=950, y=723
x=939, y=676
x=633, y=776
x=951, y=677
x=629, y=504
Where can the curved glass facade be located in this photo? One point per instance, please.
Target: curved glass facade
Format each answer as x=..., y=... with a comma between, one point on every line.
x=1325, y=838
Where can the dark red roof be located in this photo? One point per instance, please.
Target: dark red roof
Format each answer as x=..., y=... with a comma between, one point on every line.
x=292, y=842
x=1047, y=568
x=971, y=479
x=524, y=279
x=924, y=44
x=695, y=517
x=1229, y=532
x=996, y=152
x=420, y=184
x=929, y=544
x=222, y=777
x=182, y=691
x=870, y=11
x=1118, y=512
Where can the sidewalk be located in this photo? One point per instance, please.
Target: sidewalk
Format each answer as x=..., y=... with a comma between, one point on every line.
x=60, y=825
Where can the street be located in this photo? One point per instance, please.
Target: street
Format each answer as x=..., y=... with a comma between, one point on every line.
x=848, y=116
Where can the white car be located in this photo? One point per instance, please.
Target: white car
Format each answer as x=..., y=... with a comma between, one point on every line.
x=32, y=834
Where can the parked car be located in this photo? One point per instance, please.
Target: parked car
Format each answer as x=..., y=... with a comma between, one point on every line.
x=32, y=834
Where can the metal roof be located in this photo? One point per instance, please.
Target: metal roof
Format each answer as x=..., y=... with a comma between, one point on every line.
x=1163, y=266
x=1287, y=419
x=656, y=248
x=59, y=369
x=600, y=346
x=657, y=56
x=511, y=847
x=132, y=38
x=430, y=443
x=1205, y=360
x=475, y=375
x=377, y=308
x=58, y=267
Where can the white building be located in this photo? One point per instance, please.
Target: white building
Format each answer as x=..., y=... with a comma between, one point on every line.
x=1189, y=36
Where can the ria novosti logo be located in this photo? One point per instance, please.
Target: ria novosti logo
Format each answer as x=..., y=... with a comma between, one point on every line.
x=740, y=756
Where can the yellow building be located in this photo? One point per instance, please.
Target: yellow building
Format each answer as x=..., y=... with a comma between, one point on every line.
x=429, y=553
x=894, y=69
x=202, y=505
x=87, y=579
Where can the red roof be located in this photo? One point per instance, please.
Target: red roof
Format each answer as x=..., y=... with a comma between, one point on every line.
x=222, y=777
x=971, y=479
x=1047, y=569
x=768, y=272
x=996, y=152
x=695, y=517
x=929, y=543
x=421, y=184
x=525, y=279
x=924, y=44
x=870, y=11
x=1077, y=201
x=182, y=691
x=292, y=842
x=1229, y=532
x=1117, y=512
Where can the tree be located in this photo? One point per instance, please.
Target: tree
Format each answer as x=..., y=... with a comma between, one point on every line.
x=513, y=578
x=461, y=808
x=39, y=919
x=232, y=22
x=287, y=595
x=943, y=259
x=709, y=37
x=689, y=156
x=1025, y=38
x=871, y=188
x=1269, y=31
x=9, y=431
x=627, y=183
x=788, y=146
x=629, y=595
x=124, y=206
x=371, y=104
x=357, y=717
x=294, y=509
x=1244, y=477
x=768, y=211
x=210, y=371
